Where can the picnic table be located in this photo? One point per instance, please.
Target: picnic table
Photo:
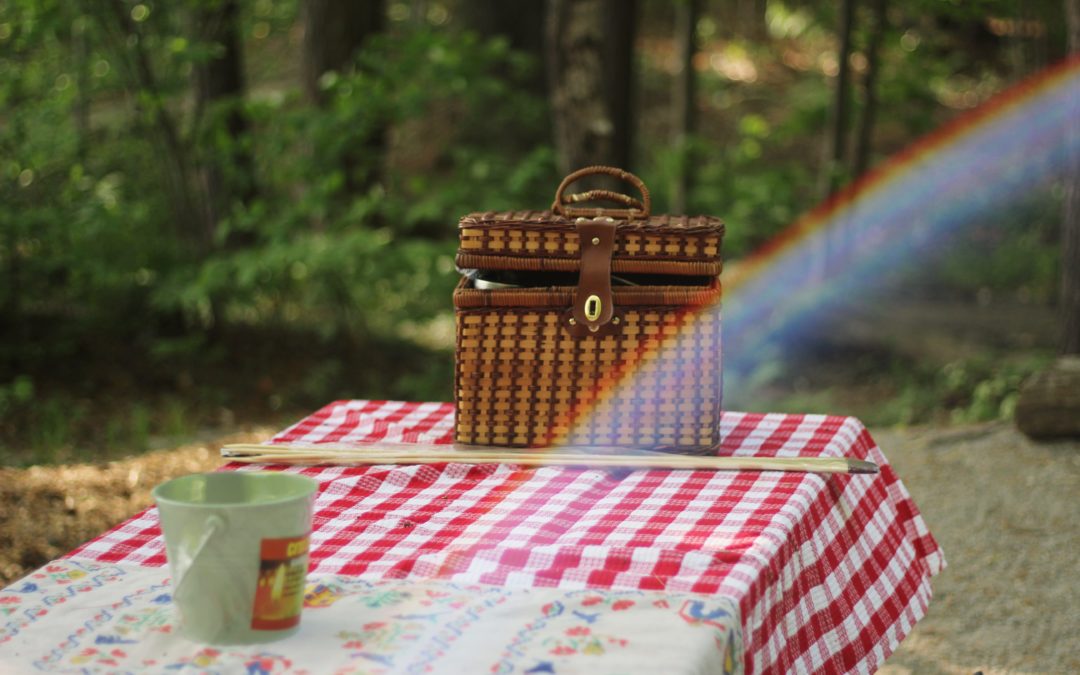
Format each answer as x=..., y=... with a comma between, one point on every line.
x=504, y=569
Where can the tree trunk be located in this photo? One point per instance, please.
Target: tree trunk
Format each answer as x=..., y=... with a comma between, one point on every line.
x=837, y=147
x=81, y=111
x=334, y=32
x=227, y=174
x=684, y=99
x=590, y=66
x=1070, y=219
x=1049, y=403
x=418, y=12
x=621, y=32
x=520, y=22
x=865, y=140
x=752, y=19
x=189, y=215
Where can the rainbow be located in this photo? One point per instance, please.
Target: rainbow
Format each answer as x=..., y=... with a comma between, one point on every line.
x=1003, y=151
x=1006, y=150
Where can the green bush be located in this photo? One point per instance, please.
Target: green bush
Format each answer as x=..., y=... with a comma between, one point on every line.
x=101, y=275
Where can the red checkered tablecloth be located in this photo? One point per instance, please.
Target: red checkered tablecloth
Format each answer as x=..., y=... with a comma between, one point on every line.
x=829, y=572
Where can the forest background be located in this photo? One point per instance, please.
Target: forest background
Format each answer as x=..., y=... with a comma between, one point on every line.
x=226, y=212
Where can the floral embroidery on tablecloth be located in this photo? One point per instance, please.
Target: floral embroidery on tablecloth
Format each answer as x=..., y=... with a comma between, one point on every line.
x=92, y=656
x=730, y=652
x=575, y=640
x=569, y=634
x=424, y=625
x=212, y=661
x=381, y=642
x=124, y=622
x=8, y=604
x=369, y=627
x=582, y=640
x=30, y=599
x=702, y=612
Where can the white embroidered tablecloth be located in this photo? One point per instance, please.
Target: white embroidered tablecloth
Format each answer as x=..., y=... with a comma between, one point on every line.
x=86, y=617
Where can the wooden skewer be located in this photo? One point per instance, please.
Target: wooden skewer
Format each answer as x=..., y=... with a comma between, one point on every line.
x=285, y=454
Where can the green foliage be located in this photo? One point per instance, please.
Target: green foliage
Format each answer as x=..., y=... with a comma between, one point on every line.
x=18, y=392
x=366, y=261
x=102, y=241
x=81, y=231
x=757, y=199
x=97, y=232
x=1015, y=253
x=976, y=389
x=985, y=389
x=897, y=391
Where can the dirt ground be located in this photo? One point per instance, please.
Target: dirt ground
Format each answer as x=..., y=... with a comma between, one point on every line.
x=45, y=511
x=1003, y=508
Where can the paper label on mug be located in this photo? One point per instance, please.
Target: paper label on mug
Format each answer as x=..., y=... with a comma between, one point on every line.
x=279, y=595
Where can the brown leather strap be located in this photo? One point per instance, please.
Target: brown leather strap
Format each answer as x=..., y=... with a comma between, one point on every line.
x=593, y=305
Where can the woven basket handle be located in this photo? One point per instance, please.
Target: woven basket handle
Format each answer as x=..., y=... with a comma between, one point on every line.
x=634, y=208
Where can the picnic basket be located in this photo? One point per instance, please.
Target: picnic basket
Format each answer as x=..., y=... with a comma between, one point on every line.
x=589, y=326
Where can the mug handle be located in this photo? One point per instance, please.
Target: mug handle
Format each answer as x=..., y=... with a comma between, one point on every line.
x=215, y=524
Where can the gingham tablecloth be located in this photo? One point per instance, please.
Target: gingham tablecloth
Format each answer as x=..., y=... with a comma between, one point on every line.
x=828, y=573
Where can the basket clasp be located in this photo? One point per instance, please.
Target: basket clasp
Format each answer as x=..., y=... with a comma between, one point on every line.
x=593, y=306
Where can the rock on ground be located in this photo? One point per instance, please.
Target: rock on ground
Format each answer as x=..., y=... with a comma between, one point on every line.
x=1049, y=403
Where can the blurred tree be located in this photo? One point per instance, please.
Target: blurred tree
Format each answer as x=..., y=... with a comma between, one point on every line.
x=864, y=139
x=620, y=19
x=127, y=43
x=590, y=68
x=1070, y=222
x=1049, y=402
x=836, y=149
x=684, y=99
x=740, y=20
x=334, y=33
x=226, y=167
x=521, y=23
x=80, y=29
x=752, y=19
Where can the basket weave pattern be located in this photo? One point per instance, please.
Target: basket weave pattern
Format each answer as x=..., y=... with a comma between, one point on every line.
x=633, y=364
x=539, y=236
x=522, y=381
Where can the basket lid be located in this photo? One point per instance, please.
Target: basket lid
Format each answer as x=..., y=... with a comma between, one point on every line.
x=547, y=241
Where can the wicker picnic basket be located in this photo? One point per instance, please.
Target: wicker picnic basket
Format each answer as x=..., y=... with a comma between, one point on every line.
x=589, y=326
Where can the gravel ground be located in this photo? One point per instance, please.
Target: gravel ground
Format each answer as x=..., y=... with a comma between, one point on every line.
x=1004, y=509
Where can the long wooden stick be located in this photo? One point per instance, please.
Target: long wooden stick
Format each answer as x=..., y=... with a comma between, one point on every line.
x=384, y=454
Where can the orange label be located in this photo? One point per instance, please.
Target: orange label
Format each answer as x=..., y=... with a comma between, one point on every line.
x=279, y=595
